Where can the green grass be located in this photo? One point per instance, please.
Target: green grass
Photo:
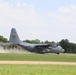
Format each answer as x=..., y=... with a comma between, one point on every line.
x=37, y=70
x=38, y=57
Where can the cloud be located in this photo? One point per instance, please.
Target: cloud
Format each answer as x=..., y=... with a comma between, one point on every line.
x=65, y=20
x=69, y=13
x=21, y=16
x=65, y=15
x=70, y=9
x=30, y=23
x=20, y=13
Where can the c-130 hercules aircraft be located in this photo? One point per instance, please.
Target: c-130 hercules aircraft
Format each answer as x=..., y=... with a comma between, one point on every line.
x=37, y=48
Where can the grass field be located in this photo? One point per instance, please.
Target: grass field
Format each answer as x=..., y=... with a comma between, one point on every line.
x=37, y=70
x=38, y=57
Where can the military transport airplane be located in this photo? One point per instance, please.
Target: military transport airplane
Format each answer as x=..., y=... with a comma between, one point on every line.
x=37, y=48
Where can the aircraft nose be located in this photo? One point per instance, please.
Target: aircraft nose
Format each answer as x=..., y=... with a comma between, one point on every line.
x=63, y=50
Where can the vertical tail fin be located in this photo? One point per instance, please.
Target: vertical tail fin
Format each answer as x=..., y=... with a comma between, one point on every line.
x=14, y=37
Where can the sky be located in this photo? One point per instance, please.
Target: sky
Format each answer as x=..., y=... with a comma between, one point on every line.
x=51, y=20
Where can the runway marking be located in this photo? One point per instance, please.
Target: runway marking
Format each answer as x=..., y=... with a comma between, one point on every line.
x=37, y=62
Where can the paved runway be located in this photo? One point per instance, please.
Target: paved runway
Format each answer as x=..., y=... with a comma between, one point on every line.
x=37, y=62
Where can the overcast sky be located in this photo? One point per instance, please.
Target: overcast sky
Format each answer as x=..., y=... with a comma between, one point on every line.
x=51, y=20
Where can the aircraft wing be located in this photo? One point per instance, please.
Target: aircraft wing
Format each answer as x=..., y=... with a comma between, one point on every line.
x=42, y=48
x=42, y=45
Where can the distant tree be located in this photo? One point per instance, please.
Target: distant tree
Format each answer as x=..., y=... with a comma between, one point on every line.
x=2, y=39
x=36, y=41
x=46, y=41
x=69, y=47
x=28, y=41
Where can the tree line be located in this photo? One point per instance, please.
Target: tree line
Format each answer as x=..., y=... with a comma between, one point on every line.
x=68, y=46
